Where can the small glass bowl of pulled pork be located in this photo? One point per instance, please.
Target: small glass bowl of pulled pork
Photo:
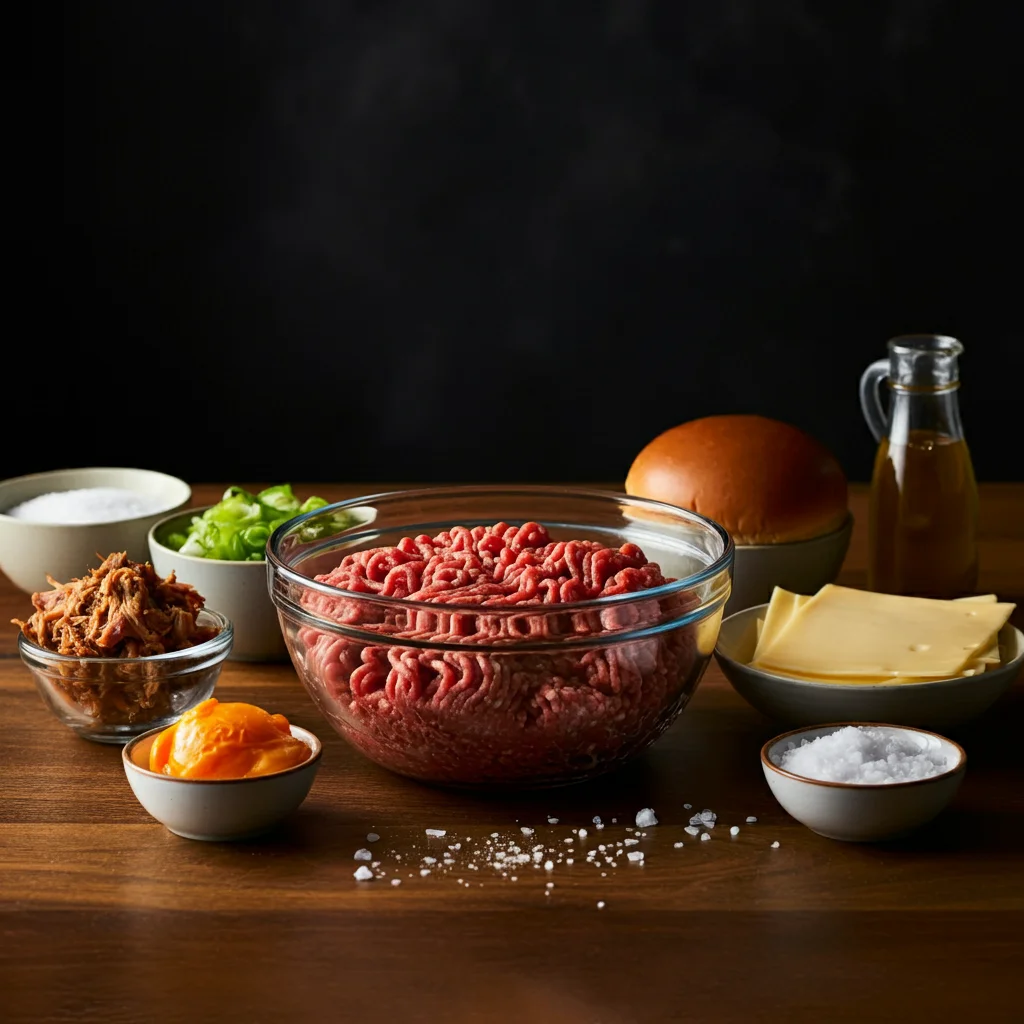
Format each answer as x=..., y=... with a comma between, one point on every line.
x=121, y=650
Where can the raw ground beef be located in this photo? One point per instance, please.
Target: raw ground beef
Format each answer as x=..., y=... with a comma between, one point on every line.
x=503, y=715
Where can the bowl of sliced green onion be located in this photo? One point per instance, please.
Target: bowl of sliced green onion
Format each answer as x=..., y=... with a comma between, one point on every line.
x=221, y=551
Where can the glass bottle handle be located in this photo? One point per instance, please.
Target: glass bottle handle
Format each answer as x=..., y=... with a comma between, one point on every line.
x=871, y=400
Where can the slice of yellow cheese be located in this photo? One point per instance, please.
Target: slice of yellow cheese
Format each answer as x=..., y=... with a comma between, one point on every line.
x=782, y=610
x=846, y=632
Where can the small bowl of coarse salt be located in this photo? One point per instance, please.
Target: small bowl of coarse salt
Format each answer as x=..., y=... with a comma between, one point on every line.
x=56, y=523
x=863, y=781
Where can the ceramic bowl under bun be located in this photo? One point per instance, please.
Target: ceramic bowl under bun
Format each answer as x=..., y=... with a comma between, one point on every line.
x=779, y=492
x=936, y=705
x=857, y=812
x=238, y=589
x=29, y=551
x=799, y=566
x=219, y=810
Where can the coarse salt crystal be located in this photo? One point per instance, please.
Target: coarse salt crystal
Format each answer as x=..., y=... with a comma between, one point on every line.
x=362, y=873
x=549, y=865
x=645, y=817
x=549, y=885
x=708, y=815
x=567, y=840
x=495, y=835
x=735, y=830
x=372, y=837
x=526, y=831
x=600, y=904
x=596, y=819
x=636, y=856
x=424, y=872
x=692, y=829
x=705, y=836
x=429, y=860
x=631, y=842
x=436, y=832
x=696, y=819
x=396, y=881
x=583, y=833
x=751, y=819
x=866, y=755
x=687, y=807
x=362, y=855
x=677, y=846
x=552, y=821
x=569, y=860
x=775, y=845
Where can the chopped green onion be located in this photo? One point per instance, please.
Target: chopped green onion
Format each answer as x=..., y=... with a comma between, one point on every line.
x=238, y=527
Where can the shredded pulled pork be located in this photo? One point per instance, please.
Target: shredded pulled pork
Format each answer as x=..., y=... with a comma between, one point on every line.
x=122, y=609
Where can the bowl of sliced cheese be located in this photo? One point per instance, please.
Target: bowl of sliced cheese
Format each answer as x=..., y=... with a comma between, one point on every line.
x=851, y=655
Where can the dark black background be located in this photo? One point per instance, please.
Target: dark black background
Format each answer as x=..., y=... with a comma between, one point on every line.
x=481, y=240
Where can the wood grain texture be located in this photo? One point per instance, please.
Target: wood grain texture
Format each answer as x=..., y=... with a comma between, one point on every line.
x=106, y=915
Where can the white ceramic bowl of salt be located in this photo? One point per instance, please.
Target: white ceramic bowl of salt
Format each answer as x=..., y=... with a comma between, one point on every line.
x=863, y=781
x=64, y=522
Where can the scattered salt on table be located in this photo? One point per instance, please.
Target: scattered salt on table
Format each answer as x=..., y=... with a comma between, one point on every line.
x=436, y=832
x=705, y=836
x=735, y=830
x=775, y=845
x=645, y=817
x=636, y=856
x=424, y=872
x=751, y=820
x=600, y=904
x=692, y=830
x=396, y=881
x=583, y=833
x=362, y=873
x=526, y=831
x=549, y=865
x=865, y=755
x=362, y=855
x=677, y=846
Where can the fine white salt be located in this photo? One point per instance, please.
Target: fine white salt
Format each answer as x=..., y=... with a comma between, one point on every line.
x=645, y=817
x=86, y=505
x=866, y=755
x=362, y=873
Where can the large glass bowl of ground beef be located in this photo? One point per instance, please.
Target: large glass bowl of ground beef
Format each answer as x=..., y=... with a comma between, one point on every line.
x=496, y=636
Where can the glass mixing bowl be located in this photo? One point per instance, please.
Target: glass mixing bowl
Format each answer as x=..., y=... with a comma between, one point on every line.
x=520, y=695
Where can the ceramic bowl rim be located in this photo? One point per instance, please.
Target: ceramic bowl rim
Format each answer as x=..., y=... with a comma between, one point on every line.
x=846, y=525
x=166, y=512
x=196, y=511
x=219, y=644
x=308, y=737
x=816, y=684
x=766, y=761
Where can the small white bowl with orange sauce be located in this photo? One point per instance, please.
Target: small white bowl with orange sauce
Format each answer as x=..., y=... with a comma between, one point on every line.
x=220, y=809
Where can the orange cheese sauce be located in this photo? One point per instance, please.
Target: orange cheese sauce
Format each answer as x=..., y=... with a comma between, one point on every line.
x=226, y=741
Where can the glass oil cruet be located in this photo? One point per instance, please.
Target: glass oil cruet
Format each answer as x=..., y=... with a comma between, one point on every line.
x=923, y=521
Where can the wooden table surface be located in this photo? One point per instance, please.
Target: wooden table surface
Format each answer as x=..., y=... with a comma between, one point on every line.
x=106, y=915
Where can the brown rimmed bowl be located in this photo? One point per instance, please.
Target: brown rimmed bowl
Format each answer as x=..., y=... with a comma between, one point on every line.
x=862, y=813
